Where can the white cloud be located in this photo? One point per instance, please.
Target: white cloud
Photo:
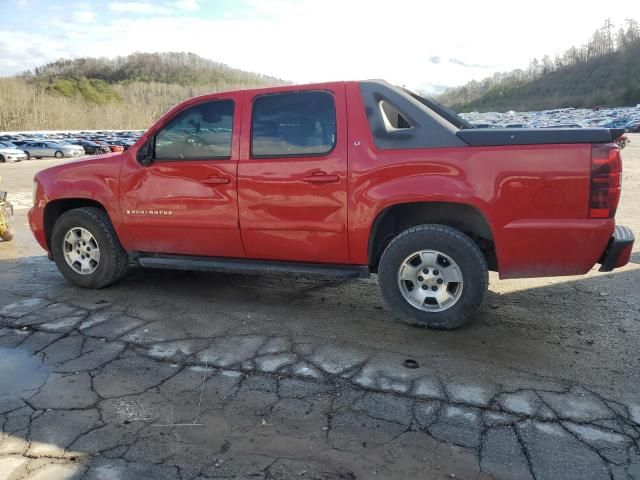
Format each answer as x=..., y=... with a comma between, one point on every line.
x=307, y=40
x=187, y=5
x=84, y=15
x=131, y=7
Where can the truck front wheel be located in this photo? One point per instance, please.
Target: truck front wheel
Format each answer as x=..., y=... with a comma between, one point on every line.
x=433, y=276
x=86, y=248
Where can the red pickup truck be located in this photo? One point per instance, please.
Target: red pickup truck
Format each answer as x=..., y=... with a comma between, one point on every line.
x=340, y=179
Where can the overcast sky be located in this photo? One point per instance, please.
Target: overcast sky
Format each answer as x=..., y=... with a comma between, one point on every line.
x=420, y=44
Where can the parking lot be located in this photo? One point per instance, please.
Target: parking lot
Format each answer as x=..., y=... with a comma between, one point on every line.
x=202, y=375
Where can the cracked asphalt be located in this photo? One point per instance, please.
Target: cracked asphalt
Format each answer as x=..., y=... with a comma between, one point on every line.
x=218, y=376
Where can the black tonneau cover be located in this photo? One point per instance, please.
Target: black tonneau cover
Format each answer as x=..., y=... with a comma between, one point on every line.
x=485, y=137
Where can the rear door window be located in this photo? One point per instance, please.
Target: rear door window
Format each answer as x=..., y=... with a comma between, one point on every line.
x=293, y=124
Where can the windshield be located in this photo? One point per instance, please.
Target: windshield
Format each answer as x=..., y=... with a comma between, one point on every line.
x=445, y=112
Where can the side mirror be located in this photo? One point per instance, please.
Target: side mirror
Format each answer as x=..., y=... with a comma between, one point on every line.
x=144, y=154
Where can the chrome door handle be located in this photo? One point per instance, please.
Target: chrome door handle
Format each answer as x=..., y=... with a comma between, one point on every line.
x=321, y=178
x=216, y=180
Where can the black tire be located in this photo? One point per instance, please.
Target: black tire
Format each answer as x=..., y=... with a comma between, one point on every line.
x=59, y=154
x=28, y=155
x=453, y=243
x=2, y=160
x=114, y=260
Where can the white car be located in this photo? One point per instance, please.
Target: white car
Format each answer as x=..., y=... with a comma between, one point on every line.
x=9, y=153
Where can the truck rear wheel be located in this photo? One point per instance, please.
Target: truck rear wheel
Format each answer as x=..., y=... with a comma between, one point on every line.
x=433, y=276
x=86, y=248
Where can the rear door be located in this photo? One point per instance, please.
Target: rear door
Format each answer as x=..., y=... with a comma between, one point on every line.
x=292, y=176
x=185, y=200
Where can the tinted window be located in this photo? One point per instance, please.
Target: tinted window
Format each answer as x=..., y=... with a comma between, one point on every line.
x=200, y=132
x=301, y=123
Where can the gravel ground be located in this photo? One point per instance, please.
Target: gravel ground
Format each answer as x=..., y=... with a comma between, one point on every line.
x=195, y=375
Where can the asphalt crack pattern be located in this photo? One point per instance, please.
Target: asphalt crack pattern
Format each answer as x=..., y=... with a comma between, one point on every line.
x=120, y=391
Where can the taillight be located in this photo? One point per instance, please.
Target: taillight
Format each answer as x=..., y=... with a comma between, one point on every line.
x=606, y=170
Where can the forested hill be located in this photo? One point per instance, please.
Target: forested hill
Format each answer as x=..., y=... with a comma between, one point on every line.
x=123, y=92
x=168, y=67
x=603, y=72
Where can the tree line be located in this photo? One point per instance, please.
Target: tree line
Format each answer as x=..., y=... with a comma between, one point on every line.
x=603, y=71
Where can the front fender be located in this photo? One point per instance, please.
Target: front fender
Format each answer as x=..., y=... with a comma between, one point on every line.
x=93, y=179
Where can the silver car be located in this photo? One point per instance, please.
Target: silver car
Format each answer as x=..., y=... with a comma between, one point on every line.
x=10, y=153
x=52, y=149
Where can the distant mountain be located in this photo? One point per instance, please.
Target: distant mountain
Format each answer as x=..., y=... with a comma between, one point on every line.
x=603, y=72
x=121, y=92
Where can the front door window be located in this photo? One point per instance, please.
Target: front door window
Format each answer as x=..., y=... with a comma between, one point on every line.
x=201, y=132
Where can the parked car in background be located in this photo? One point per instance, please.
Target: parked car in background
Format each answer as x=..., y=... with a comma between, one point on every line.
x=90, y=148
x=52, y=149
x=110, y=148
x=516, y=125
x=22, y=142
x=125, y=144
x=484, y=125
x=7, y=143
x=9, y=153
x=114, y=146
x=607, y=117
x=616, y=123
x=633, y=126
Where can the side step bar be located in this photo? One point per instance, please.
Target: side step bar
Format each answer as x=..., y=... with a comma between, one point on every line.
x=234, y=265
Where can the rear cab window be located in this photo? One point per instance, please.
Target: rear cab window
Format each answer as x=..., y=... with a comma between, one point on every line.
x=293, y=124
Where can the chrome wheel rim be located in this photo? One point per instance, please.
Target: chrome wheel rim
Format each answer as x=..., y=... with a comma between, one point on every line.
x=430, y=280
x=81, y=251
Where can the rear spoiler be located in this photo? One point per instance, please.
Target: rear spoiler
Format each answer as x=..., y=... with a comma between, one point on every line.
x=485, y=137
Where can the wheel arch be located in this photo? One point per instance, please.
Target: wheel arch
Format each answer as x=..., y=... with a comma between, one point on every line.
x=398, y=217
x=55, y=208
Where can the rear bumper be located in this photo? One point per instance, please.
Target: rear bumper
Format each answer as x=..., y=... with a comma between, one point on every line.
x=551, y=247
x=618, y=251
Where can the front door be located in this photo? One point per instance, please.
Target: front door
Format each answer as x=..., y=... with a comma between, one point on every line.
x=292, y=176
x=185, y=200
